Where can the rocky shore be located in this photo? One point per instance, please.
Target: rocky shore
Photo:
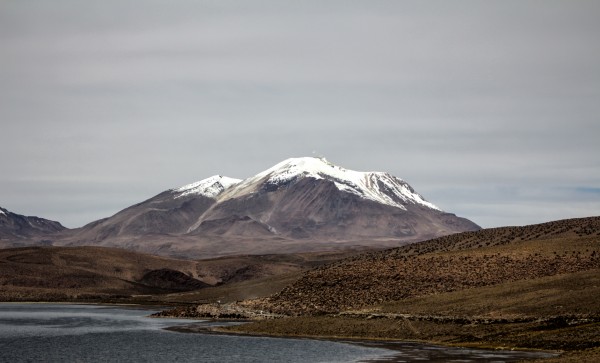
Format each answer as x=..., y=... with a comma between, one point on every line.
x=230, y=311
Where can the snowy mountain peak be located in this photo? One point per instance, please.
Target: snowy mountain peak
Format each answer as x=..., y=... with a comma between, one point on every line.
x=376, y=186
x=305, y=166
x=209, y=187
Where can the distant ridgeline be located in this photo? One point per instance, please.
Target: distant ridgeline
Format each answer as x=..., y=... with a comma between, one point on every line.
x=14, y=227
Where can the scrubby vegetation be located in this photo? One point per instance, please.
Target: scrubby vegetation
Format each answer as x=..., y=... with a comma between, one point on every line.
x=452, y=263
x=515, y=287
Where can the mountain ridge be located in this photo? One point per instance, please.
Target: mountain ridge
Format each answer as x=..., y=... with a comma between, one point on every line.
x=17, y=226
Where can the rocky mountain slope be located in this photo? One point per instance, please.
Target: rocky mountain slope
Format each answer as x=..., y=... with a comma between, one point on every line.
x=17, y=227
x=300, y=204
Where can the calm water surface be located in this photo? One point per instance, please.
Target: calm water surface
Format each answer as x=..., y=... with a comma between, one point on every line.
x=90, y=333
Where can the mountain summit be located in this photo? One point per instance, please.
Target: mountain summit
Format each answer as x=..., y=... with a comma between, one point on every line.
x=300, y=204
x=210, y=187
x=302, y=198
x=376, y=186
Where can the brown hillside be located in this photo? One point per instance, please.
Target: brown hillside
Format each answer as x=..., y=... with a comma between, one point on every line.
x=466, y=260
x=59, y=273
x=84, y=273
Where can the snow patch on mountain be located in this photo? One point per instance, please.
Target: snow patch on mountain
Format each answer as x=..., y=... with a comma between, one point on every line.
x=2, y=212
x=388, y=186
x=209, y=187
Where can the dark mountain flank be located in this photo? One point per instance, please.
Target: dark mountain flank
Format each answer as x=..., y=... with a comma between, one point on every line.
x=16, y=227
x=298, y=205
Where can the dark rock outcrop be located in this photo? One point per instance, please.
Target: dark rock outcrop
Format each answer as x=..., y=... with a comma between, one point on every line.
x=171, y=280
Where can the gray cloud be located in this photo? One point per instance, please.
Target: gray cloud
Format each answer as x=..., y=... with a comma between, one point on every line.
x=488, y=109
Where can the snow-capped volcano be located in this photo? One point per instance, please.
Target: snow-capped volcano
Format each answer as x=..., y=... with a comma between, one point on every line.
x=302, y=204
x=310, y=197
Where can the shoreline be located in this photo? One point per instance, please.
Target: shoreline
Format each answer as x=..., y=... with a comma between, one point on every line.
x=191, y=328
x=216, y=330
x=108, y=304
x=396, y=346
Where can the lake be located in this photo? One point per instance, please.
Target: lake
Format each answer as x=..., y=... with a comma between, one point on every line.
x=94, y=333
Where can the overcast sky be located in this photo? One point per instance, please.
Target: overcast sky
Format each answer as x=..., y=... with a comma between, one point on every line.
x=489, y=109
